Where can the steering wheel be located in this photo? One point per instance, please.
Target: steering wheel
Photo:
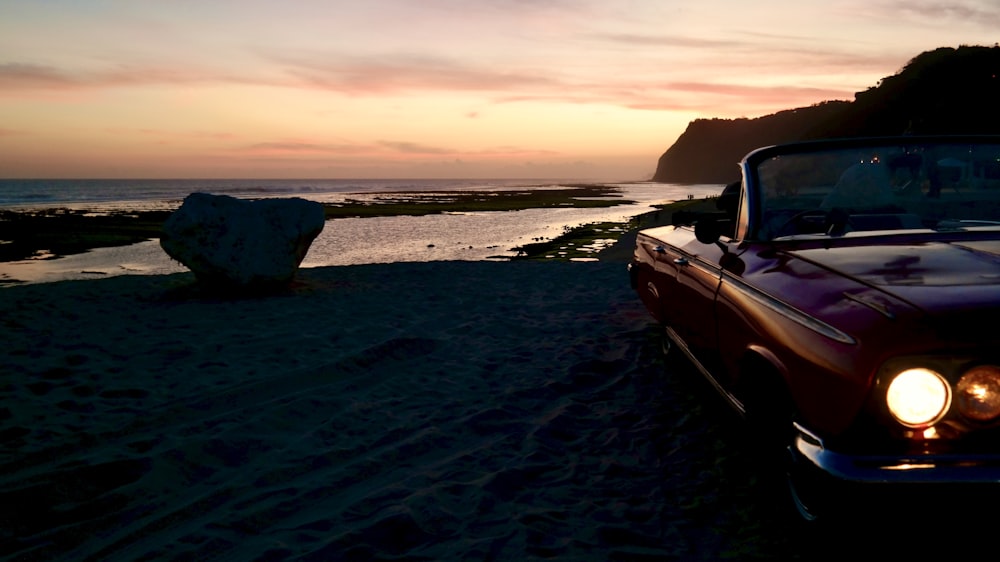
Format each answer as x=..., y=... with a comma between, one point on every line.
x=807, y=221
x=812, y=221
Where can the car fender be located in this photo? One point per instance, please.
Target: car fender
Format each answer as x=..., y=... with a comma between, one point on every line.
x=757, y=353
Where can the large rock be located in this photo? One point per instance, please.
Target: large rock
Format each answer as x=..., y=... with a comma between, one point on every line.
x=234, y=242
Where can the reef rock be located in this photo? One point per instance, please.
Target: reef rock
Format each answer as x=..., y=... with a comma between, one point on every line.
x=227, y=241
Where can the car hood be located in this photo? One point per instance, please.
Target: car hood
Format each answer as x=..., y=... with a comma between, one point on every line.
x=933, y=276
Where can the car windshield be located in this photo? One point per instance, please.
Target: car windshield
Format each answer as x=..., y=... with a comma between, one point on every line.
x=858, y=189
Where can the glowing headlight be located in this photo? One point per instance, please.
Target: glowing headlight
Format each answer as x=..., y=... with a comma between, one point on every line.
x=918, y=397
x=977, y=393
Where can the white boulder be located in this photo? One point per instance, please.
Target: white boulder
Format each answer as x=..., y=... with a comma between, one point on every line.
x=236, y=242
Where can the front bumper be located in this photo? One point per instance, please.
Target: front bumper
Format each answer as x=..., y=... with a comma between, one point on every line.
x=951, y=469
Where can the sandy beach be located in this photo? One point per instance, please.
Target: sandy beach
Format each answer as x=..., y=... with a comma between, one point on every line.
x=428, y=411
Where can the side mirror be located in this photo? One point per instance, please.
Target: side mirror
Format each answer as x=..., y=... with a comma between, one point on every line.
x=706, y=230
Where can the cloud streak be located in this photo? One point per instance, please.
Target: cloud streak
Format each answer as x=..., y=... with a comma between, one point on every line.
x=745, y=101
x=352, y=76
x=16, y=76
x=211, y=135
x=985, y=14
x=646, y=40
x=402, y=148
x=404, y=73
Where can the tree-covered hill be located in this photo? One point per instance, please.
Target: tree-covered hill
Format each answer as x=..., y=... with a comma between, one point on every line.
x=947, y=90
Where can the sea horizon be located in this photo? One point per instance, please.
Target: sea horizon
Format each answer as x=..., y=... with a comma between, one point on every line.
x=19, y=193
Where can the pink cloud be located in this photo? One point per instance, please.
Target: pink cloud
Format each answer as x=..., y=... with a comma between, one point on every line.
x=292, y=146
x=668, y=41
x=304, y=148
x=384, y=148
x=414, y=148
x=18, y=76
x=757, y=92
x=214, y=135
x=718, y=98
x=734, y=100
x=986, y=14
x=25, y=76
x=407, y=73
x=355, y=76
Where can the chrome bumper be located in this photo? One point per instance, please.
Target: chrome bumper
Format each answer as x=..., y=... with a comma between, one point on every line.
x=908, y=469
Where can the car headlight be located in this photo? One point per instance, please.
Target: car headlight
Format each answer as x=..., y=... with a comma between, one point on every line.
x=918, y=397
x=977, y=393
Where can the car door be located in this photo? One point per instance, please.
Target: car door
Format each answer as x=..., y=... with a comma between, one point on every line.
x=693, y=272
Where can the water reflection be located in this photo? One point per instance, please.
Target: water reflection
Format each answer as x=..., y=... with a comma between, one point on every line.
x=453, y=236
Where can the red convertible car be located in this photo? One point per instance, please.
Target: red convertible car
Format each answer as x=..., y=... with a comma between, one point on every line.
x=845, y=298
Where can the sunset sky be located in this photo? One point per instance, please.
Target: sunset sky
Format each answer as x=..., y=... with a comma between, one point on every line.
x=581, y=89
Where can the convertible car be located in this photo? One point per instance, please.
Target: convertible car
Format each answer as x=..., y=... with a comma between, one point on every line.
x=845, y=299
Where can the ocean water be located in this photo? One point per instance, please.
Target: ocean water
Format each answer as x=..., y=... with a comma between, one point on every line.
x=348, y=241
x=167, y=193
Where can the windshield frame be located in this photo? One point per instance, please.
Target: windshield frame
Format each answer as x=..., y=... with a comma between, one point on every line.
x=753, y=225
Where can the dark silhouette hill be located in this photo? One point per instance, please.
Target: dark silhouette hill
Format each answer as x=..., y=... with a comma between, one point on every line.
x=944, y=91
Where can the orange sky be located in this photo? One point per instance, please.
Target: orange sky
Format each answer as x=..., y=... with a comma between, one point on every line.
x=431, y=89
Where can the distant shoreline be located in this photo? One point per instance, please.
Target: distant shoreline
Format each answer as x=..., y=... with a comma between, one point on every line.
x=576, y=243
x=49, y=233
